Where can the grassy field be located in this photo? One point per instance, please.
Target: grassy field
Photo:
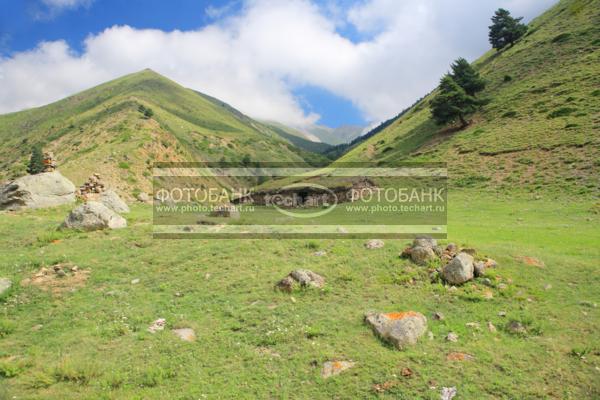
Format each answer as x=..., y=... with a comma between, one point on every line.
x=88, y=339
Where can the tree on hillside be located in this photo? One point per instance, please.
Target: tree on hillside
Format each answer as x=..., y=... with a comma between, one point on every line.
x=36, y=161
x=505, y=29
x=466, y=77
x=452, y=103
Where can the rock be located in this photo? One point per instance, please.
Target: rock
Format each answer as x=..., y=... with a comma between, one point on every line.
x=406, y=252
x=332, y=368
x=374, y=244
x=143, y=197
x=452, y=337
x=515, y=327
x=502, y=313
x=308, y=278
x=459, y=270
x=320, y=253
x=5, y=285
x=438, y=250
x=60, y=273
x=448, y=393
x=135, y=281
x=93, y=216
x=438, y=316
x=479, y=268
x=158, y=325
x=489, y=263
x=303, y=277
x=225, y=211
x=424, y=241
x=446, y=258
x=112, y=200
x=186, y=334
x=399, y=328
x=491, y=327
x=47, y=189
x=471, y=252
x=473, y=325
x=422, y=255
x=451, y=248
x=547, y=286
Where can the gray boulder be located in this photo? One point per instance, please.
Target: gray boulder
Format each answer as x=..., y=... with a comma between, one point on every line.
x=302, y=277
x=5, y=284
x=479, y=268
x=112, y=200
x=93, y=216
x=398, y=328
x=424, y=241
x=459, y=270
x=48, y=189
x=143, y=197
x=422, y=255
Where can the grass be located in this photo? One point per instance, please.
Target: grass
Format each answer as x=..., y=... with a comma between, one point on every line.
x=254, y=342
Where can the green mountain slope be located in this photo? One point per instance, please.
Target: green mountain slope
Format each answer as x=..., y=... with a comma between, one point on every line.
x=541, y=127
x=334, y=136
x=102, y=130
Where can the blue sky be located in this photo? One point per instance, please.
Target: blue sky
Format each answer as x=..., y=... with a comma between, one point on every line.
x=331, y=62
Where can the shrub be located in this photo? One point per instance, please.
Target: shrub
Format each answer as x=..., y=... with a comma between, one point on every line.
x=509, y=114
x=507, y=78
x=561, y=112
x=563, y=37
x=124, y=165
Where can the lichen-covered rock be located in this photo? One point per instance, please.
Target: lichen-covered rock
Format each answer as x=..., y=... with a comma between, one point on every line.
x=459, y=270
x=94, y=216
x=332, y=368
x=48, y=189
x=422, y=255
x=112, y=200
x=398, y=328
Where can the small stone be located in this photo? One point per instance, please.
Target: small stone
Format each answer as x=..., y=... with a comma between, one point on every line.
x=448, y=393
x=186, y=334
x=374, y=244
x=61, y=273
x=502, y=314
x=157, y=325
x=471, y=252
x=36, y=328
x=5, y=285
x=178, y=294
x=302, y=277
x=452, y=337
x=473, y=325
x=489, y=263
x=486, y=281
x=135, y=281
x=332, y=368
x=516, y=327
x=487, y=294
x=430, y=335
x=502, y=286
x=438, y=316
x=491, y=327
x=320, y=253
x=451, y=248
x=547, y=286
x=293, y=299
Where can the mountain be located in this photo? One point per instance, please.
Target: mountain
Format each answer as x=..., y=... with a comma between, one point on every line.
x=540, y=127
x=335, y=136
x=103, y=130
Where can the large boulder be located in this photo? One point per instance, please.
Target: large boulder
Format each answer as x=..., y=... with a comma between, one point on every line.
x=93, y=216
x=459, y=270
x=48, y=189
x=112, y=200
x=399, y=328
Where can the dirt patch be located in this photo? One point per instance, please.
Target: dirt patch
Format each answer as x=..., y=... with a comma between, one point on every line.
x=59, y=278
x=456, y=356
x=531, y=261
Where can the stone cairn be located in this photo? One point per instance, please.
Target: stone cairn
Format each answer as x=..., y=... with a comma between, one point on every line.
x=49, y=162
x=92, y=186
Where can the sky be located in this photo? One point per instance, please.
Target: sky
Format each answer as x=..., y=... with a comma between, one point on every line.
x=299, y=62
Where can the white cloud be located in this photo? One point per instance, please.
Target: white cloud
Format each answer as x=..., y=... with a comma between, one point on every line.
x=255, y=59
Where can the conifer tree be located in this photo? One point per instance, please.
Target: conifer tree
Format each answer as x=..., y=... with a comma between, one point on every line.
x=36, y=161
x=452, y=103
x=505, y=29
x=466, y=77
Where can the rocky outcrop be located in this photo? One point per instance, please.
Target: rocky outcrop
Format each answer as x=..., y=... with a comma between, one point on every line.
x=93, y=216
x=48, y=189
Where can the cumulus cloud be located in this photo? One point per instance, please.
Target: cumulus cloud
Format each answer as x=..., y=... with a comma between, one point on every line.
x=256, y=58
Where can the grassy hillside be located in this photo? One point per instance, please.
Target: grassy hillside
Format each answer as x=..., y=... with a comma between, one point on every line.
x=541, y=127
x=102, y=130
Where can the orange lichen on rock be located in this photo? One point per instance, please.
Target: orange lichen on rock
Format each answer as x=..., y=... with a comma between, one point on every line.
x=401, y=315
